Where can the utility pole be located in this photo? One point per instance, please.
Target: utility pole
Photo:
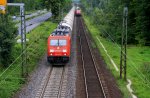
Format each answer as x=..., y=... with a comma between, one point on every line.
x=123, y=57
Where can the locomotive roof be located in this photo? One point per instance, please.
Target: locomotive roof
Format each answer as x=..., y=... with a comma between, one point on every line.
x=61, y=32
x=59, y=37
x=77, y=8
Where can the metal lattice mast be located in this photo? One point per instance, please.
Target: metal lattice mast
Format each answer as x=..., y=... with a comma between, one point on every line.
x=123, y=58
x=23, y=36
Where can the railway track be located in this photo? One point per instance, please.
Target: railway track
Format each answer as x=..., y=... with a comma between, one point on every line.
x=93, y=84
x=53, y=84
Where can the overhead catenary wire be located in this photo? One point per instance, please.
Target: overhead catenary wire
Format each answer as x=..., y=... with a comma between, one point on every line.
x=136, y=69
x=18, y=57
x=15, y=68
x=136, y=73
x=127, y=56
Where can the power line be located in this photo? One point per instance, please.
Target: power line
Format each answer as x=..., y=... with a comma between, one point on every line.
x=139, y=74
x=18, y=57
x=136, y=70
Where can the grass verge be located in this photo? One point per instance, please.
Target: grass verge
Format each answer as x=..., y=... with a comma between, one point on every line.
x=138, y=63
x=10, y=78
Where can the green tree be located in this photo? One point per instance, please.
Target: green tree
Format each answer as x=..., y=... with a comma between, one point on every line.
x=7, y=39
x=56, y=6
x=30, y=5
x=142, y=11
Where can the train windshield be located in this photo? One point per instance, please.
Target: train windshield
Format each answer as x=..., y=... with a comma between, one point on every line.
x=58, y=42
x=62, y=42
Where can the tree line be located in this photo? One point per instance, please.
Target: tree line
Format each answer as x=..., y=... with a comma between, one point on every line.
x=30, y=5
x=108, y=16
x=57, y=6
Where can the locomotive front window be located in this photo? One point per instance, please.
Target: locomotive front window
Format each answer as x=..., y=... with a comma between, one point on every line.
x=58, y=42
x=54, y=42
x=62, y=42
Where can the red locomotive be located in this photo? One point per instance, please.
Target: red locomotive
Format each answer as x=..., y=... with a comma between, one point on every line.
x=58, y=49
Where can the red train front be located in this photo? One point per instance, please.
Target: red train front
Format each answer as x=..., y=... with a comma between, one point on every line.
x=58, y=51
x=78, y=11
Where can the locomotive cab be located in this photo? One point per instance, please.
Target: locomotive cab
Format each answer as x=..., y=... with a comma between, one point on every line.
x=58, y=51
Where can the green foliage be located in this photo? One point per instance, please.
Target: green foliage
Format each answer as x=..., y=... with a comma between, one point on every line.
x=30, y=5
x=7, y=38
x=108, y=15
x=56, y=6
x=142, y=10
x=145, y=68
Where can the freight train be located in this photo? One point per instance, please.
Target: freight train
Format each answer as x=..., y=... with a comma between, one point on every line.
x=59, y=41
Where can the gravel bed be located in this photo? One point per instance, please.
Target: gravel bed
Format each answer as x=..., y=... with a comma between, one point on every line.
x=34, y=80
x=72, y=67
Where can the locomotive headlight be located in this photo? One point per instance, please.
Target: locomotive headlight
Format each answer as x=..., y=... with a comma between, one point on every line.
x=51, y=50
x=64, y=50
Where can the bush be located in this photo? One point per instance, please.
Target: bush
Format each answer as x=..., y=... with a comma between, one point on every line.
x=7, y=39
